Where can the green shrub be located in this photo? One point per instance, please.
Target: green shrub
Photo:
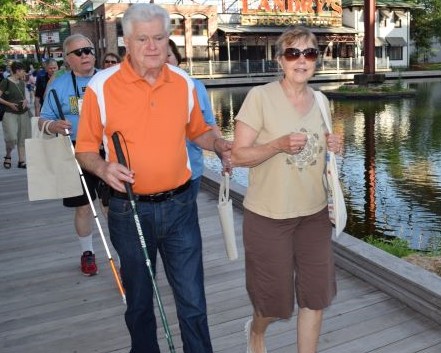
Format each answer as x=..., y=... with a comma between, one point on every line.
x=395, y=87
x=395, y=246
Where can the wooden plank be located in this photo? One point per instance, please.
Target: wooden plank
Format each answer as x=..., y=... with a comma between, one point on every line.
x=46, y=305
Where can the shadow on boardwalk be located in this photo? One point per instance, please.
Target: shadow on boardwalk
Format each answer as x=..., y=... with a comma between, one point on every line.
x=46, y=305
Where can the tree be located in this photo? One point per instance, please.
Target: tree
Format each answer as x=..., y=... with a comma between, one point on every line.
x=13, y=24
x=426, y=26
x=19, y=20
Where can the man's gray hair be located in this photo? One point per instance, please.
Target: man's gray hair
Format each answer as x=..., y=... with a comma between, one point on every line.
x=144, y=12
x=73, y=38
x=50, y=61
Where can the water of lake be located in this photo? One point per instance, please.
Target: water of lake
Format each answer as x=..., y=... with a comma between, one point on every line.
x=391, y=165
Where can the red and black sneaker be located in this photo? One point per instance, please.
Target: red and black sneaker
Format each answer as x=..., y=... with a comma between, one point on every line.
x=88, y=265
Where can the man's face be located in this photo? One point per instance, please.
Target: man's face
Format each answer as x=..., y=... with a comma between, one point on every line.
x=147, y=45
x=81, y=64
x=51, y=69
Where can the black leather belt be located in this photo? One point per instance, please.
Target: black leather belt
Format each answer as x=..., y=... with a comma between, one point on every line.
x=159, y=197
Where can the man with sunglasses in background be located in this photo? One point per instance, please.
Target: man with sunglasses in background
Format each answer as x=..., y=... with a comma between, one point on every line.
x=70, y=86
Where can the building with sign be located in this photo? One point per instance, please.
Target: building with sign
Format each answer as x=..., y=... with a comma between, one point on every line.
x=250, y=29
x=51, y=37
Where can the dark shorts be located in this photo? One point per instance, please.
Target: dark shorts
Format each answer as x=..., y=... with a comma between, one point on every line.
x=288, y=256
x=92, y=182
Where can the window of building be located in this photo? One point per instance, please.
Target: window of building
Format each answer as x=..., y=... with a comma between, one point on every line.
x=199, y=25
x=385, y=17
x=177, y=23
x=397, y=21
x=119, y=29
x=121, y=50
x=395, y=53
x=378, y=52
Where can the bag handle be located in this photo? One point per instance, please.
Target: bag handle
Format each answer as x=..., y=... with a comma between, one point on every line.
x=40, y=133
x=321, y=103
x=224, y=189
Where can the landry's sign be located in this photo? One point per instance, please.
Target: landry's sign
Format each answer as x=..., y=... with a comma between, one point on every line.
x=291, y=12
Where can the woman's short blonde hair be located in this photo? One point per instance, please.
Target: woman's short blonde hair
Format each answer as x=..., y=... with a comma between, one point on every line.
x=292, y=35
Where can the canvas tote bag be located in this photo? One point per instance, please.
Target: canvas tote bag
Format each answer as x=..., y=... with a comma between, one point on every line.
x=225, y=208
x=51, y=166
x=336, y=201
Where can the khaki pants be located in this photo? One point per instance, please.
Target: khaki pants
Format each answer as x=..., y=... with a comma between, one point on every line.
x=16, y=129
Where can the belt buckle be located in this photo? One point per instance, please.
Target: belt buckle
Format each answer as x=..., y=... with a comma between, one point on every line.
x=160, y=196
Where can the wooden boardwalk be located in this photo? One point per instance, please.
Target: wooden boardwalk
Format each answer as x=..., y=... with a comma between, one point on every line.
x=46, y=305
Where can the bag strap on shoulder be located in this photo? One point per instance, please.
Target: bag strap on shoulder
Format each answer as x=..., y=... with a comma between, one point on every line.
x=319, y=97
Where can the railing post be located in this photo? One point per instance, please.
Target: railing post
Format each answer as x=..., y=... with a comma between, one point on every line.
x=338, y=64
x=191, y=67
x=263, y=65
x=210, y=67
x=248, y=66
x=350, y=63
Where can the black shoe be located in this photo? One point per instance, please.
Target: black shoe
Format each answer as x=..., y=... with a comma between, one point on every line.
x=7, y=163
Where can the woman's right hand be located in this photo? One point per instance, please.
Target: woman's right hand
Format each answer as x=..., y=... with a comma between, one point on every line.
x=292, y=143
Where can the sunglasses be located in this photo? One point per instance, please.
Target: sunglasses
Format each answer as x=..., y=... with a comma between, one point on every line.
x=292, y=54
x=80, y=51
x=110, y=61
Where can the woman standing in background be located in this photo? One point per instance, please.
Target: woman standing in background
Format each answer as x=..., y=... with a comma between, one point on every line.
x=16, y=123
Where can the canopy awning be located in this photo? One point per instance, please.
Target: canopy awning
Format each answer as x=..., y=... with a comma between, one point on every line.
x=396, y=41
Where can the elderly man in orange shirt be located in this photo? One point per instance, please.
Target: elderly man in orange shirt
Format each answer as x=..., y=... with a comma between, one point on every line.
x=154, y=107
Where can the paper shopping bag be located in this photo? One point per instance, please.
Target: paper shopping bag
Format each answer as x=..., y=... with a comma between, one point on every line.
x=51, y=168
x=225, y=207
x=336, y=202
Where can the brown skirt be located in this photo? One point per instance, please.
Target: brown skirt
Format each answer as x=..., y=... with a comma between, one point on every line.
x=286, y=255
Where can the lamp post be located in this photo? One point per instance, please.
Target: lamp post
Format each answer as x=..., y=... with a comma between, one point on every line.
x=369, y=36
x=369, y=75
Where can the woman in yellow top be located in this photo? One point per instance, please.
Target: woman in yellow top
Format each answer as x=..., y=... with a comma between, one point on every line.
x=281, y=136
